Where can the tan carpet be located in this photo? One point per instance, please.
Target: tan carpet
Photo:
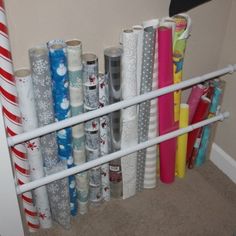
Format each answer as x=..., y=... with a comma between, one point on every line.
x=204, y=204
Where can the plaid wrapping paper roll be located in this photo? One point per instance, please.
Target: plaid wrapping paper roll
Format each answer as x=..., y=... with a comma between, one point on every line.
x=29, y=122
x=144, y=107
x=12, y=118
x=112, y=57
x=129, y=123
x=92, y=139
x=105, y=142
x=40, y=69
x=60, y=92
x=74, y=50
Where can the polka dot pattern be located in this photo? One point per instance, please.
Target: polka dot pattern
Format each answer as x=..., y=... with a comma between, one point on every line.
x=144, y=108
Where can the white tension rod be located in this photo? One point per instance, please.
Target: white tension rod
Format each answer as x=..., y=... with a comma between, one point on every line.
x=115, y=155
x=116, y=106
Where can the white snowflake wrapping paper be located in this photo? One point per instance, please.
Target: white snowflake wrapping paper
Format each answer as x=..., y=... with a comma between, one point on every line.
x=129, y=115
x=29, y=122
x=59, y=200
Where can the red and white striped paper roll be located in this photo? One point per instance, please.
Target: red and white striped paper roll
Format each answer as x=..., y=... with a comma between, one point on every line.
x=12, y=119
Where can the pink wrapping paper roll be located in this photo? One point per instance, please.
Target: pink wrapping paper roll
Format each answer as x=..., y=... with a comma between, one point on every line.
x=193, y=100
x=200, y=114
x=166, y=105
x=13, y=125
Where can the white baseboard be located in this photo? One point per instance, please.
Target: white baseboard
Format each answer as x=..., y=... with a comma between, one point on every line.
x=223, y=161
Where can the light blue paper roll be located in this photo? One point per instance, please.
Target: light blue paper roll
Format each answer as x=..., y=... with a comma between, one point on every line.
x=60, y=91
x=206, y=133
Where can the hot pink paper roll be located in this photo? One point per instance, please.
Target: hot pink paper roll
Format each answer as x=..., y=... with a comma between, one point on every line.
x=166, y=105
x=12, y=119
x=193, y=100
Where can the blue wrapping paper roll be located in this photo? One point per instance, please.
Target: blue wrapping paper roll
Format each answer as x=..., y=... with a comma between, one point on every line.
x=201, y=156
x=60, y=91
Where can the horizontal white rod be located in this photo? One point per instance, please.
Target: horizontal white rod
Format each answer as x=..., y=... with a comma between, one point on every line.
x=116, y=106
x=88, y=165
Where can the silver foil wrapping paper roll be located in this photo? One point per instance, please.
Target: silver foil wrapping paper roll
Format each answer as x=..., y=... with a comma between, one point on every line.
x=40, y=70
x=61, y=104
x=144, y=107
x=129, y=115
x=104, y=129
x=92, y=138
x=112, y=58
x=29, y=122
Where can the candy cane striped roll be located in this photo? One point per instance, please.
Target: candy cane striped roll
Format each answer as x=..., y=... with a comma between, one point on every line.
x=13, y=122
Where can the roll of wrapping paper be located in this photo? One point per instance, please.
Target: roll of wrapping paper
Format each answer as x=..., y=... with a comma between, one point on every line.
x=182, y=32
x=151, y=154
x=201, y=155
x=11, y=114
x=144, y=107
x=74, y=50
x=129, y=115
x=104, y=135
x=92, y=139
x=200, y=114
x=138, y=29
x=208, y=92
x=182, y=142
x=60, y=92
x=29, y=122
x=112, y=57
x=41, y=78
x=194, y=98
x=166, y=105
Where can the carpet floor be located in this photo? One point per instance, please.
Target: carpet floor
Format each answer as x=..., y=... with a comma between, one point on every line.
x=203, y=203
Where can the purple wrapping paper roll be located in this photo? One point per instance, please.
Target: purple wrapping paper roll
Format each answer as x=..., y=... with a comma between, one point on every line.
x=166, y=105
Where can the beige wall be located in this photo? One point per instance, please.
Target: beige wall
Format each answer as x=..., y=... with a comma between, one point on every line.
x=226, y=133
x=98, y=25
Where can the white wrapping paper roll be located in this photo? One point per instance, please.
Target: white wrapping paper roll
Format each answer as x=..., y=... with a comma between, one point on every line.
x=138, y=29
x=129, y=71
x=129, y=124
x=29, y=122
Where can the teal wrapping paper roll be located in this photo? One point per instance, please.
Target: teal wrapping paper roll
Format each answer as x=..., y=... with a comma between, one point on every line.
x=144, y=108
x=58, y=192
x=206, y=133
x=60, y=91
